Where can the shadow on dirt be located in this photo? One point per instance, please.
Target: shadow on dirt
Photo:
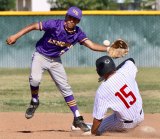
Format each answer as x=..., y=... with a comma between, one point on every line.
x=27, y=131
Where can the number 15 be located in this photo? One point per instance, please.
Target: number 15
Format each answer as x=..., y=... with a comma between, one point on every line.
x=123, y=95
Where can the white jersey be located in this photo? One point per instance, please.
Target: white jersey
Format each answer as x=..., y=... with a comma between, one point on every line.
x=120, y=93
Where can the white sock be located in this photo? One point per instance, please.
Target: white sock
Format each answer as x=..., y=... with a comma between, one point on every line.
x=34, y=100
x=77, y=113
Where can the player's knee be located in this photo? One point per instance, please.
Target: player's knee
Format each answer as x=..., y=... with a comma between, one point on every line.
x=34, y=81
x=66, y=91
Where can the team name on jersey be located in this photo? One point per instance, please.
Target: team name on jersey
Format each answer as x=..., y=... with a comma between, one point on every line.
x=59, y=43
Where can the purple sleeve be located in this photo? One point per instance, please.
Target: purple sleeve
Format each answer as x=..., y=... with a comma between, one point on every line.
x=82, y=37
x=49, y=25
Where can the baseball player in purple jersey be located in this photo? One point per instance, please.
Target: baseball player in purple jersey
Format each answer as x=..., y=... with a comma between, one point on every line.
x=119, y=92
x=59, y=36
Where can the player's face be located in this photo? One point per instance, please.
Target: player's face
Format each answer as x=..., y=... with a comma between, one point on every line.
x=71, y=22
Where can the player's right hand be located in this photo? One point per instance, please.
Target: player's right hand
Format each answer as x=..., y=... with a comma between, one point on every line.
x=11, y=40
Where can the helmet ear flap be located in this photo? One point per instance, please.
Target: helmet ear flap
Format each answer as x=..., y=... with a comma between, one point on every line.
x=100, y=67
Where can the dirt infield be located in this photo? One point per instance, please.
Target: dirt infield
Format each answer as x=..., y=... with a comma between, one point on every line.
x=57, y=126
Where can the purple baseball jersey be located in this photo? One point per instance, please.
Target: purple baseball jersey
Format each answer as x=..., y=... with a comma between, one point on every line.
x=56, y=40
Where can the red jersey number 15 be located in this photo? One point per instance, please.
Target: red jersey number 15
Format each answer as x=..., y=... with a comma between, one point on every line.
x=123, y=95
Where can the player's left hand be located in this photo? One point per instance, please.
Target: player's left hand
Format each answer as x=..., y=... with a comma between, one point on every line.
x=11, y=40
x=118, y=48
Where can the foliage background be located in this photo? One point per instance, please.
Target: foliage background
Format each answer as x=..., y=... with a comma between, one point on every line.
x=8, y=5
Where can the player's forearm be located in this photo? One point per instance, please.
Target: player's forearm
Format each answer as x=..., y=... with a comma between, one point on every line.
x=95, y=126
x=95, y=47
x=98, y=47
x=27, y=29
x=13, y=38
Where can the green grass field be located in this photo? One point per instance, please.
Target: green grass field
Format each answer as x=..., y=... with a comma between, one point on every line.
x=15, y=92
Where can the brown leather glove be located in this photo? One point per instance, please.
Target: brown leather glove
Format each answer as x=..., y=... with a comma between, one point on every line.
x=118, y=48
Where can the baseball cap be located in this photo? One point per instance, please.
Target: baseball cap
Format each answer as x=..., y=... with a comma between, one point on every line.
x=75, y=12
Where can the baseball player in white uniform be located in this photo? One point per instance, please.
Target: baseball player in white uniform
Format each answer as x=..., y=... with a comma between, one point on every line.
x=119, y=92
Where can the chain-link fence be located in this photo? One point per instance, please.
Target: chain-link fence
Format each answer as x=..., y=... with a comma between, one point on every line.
x=141, y=31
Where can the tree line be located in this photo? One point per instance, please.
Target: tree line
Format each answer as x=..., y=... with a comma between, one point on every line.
x=8, y=5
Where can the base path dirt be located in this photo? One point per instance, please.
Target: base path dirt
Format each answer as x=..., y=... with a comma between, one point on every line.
x=57, y=126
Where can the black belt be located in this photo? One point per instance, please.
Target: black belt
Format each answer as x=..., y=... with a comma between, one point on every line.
x=131, y=121
x=126, y=121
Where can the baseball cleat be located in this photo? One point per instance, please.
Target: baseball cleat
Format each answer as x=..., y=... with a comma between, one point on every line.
x=31, y=109
x=78, y=122
x=73, y=128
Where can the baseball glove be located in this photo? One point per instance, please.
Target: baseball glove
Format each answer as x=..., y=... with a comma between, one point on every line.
x=118, y=48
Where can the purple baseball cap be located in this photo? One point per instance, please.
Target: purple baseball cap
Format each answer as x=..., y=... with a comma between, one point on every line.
x=75, y=12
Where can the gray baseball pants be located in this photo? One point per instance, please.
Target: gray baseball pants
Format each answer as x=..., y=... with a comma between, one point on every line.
x=56, y=70
x=113, y=123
